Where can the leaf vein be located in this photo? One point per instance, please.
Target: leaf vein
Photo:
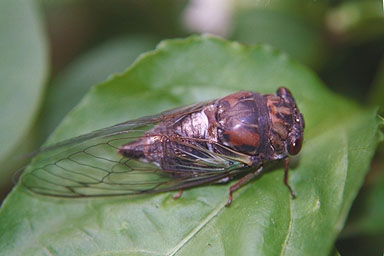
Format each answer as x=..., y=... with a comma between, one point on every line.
x=196, y=230
x=289, y=232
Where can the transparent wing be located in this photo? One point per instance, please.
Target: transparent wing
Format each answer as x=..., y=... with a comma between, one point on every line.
x=96, y=169
x=142, y=124
x=89, y=165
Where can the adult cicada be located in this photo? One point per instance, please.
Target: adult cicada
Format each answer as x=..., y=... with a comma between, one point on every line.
x=206, y=143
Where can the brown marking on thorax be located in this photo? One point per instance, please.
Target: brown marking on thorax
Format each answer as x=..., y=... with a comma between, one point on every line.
x=242, y=136
x=277, y=111
x=234, y=98
x=238, y=122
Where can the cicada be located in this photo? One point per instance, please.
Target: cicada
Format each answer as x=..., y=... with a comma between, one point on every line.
x=211, y=142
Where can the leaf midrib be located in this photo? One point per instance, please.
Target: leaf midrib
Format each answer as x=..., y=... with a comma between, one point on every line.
x=196, y=230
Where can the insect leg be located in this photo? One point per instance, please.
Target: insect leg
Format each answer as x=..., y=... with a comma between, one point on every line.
x=286, y=169
x=178, y=194
x=241, y=182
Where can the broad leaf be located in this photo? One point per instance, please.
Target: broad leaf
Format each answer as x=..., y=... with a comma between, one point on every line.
x=68, y=88
x=340, y=139
x=23, y=70
x=283, y=30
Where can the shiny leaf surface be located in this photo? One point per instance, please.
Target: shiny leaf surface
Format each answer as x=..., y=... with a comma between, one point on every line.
x=340, y=139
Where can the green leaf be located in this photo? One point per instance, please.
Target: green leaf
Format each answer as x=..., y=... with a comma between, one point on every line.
x=283, y=30
x=95, y=66
x=370, y=221
x=376, y=95
x=367, y=217
x=23, y=70
x=340, y=139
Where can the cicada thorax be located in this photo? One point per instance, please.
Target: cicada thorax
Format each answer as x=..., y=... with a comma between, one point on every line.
x=268, y=127
x=243, y=122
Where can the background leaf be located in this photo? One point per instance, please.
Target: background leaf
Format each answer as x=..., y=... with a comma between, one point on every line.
x=23, y=70
x=270, y=26
x=377, y=93
x=340, y=139
x=71, y=85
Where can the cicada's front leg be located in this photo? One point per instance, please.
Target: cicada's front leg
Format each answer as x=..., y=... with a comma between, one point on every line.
x=244, y=180
x=178, y=194
x=286, y=170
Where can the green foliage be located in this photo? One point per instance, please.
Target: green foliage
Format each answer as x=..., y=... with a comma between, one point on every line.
x=23, y=70
x=97, y=65
x=377, y=92
x=340, y=139
x=281, y=30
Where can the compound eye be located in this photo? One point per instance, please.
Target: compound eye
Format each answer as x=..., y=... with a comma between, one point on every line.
x=295, y=146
